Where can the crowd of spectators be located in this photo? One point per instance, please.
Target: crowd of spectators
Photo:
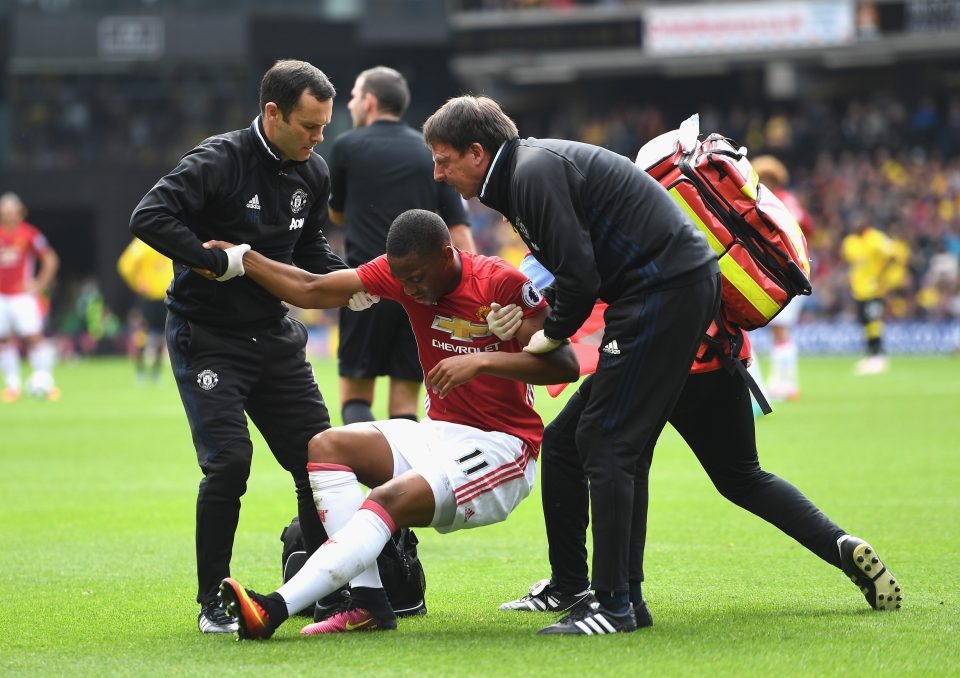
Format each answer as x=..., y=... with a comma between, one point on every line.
x=880, y=162
x=128, y=120
x=912, y=195
x=883, y=160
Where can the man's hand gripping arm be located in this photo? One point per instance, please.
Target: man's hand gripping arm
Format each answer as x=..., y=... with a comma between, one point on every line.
x=504, y=321
x=291, y=284
x=556, y=367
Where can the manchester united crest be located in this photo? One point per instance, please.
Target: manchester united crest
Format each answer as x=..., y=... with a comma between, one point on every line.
x=207, y=379
x=298, y=201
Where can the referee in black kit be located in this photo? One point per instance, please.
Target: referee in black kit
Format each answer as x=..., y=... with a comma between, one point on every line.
x=232, y=346
x=379, y=170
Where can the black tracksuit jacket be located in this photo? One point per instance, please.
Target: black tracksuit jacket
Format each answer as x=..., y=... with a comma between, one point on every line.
x=602, y=226
x=234, y=187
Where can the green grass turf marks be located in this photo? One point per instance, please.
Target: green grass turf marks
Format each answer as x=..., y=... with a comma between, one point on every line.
x=97, y=497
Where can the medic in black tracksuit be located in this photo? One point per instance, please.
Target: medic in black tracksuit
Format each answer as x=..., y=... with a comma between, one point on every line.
x=609, y=232
x=232, y=346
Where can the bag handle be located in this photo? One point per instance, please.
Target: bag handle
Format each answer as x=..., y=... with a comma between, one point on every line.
x=729, y=356
x=688, y=133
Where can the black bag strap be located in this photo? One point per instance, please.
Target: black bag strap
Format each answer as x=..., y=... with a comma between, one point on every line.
x=398, y=549
x=727, y=350
x=763, y=252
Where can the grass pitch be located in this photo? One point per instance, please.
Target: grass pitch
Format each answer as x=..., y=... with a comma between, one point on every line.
x=97, y=499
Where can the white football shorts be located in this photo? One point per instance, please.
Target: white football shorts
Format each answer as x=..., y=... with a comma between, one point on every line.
x=19, y=315
x=477, y=477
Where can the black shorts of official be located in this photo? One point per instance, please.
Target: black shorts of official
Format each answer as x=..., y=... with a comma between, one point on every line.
x=378, y=342
x=223, y=374
x=154, y=314
x=870, y=310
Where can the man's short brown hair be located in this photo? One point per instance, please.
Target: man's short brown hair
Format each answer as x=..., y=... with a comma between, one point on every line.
x=286, y=81
x=469, y=119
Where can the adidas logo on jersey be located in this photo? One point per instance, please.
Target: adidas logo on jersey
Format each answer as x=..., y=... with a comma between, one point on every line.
x=254, y=203
x=612, y=348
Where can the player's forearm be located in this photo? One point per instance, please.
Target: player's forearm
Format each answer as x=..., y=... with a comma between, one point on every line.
x=557, y=367
x=49, y=266
x=291, y=284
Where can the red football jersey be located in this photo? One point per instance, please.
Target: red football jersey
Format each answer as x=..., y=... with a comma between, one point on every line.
x=457, y=324
x=19, y=249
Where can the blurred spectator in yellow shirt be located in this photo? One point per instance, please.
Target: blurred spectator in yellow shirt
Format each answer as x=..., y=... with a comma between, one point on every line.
x=869, y=253
x=148, y=273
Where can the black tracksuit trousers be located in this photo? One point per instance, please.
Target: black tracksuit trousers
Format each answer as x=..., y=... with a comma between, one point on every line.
x=649, y=342
x=714, y=416
x=224, y=375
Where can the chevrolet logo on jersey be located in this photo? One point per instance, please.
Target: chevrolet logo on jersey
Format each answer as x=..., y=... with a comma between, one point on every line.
x=460, y=329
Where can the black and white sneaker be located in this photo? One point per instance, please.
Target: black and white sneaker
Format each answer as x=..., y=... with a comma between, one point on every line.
x=642, y=614
x=214, y=619
x=861, y=563
x=593, y=620
x=412, y=609
x=544, y=597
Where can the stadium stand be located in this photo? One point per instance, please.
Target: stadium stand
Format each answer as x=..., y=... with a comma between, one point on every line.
x=865, y=113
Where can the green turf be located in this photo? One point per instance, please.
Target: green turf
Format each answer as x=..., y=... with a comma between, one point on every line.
x=96, y=562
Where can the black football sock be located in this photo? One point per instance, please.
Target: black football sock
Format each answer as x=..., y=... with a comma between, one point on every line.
x=276, y=609
x=355, y=411
x=373, y=600
x=618, y=603
x=636, y=594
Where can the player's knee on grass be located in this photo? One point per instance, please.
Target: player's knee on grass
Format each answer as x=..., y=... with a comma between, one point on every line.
x=407, y=498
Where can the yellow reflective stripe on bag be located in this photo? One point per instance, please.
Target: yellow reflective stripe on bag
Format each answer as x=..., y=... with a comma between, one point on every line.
x=749, y=288
x=750, y=189
x=715, y=243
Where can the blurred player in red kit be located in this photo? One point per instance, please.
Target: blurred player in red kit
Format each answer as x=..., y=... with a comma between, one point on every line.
x=21, y=307
x=784, y=383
